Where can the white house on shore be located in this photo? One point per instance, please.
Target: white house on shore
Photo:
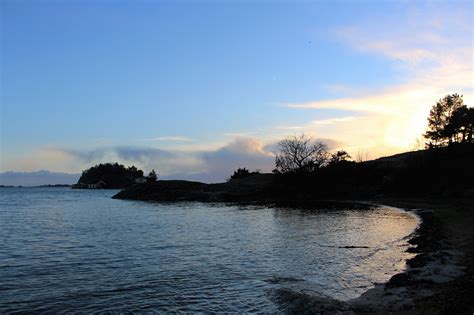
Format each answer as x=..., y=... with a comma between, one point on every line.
x=140, y=180
x=98, y=185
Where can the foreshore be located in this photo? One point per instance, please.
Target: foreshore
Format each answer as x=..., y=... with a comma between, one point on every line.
x=438, y=280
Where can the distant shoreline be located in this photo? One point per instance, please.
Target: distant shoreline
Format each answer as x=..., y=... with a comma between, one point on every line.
x=38, y=186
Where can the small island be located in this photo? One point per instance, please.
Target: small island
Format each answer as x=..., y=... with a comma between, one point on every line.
x=109, y=176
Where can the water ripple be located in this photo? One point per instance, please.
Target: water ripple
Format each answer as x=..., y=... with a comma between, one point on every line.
x=68, y=250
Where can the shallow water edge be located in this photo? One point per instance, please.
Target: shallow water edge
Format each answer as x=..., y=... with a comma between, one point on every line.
x=82, y=251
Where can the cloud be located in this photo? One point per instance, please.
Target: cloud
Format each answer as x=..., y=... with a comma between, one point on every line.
x=165, y=162
x=238, y=134
x=211, y=165
x=82, y=155
x=432, y=51
x=170, y=138
x=429, y=48
x=141, y=154
x=331, y=121
x=241, y=152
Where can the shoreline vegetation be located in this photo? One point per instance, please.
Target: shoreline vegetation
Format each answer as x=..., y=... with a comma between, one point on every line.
x=436, y=184
x=440, y=172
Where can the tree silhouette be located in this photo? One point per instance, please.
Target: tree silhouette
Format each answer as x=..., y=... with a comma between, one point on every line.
x=340, y=156
x=300, y=154
x=446, y=120
x=470, y=125
x=240, y=173
x=152, y=177
x=460, y=125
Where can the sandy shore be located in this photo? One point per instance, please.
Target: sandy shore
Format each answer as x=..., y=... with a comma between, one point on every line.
x=438, y=280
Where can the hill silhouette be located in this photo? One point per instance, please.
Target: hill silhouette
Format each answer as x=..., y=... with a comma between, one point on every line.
x=445, y=171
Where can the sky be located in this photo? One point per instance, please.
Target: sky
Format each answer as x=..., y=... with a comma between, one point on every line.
x=195, y=89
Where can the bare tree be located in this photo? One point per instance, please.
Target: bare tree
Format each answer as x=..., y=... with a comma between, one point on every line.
x=361, y=155
x=418, y=144
x=300, y=153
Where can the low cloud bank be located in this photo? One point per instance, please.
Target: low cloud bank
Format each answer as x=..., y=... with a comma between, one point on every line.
x=198, y=165
x=242, y=152
x=201, y=165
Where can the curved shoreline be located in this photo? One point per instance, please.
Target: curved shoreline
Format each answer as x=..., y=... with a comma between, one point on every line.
x=437, y=280
x=402, y=290
x=383, y=297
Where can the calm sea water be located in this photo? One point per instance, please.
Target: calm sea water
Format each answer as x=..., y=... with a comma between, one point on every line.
x=80, y=250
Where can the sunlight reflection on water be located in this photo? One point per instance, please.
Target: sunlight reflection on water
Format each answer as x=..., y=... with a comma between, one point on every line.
x=81, y=250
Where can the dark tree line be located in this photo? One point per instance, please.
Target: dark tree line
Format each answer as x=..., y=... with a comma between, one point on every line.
x=114, y=175
x=307, y=171
x=242, y=172
x=450, y=121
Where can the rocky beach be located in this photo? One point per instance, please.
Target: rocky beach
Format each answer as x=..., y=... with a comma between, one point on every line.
x=438, y=280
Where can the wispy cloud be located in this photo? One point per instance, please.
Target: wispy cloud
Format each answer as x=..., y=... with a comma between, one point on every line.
x=429, y=48
x=238, y=134
x=331, y=121
x=290, y=128
x=169, y=138
x=433, y=54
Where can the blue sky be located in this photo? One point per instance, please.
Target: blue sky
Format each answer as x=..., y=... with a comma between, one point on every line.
x=84, y=80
